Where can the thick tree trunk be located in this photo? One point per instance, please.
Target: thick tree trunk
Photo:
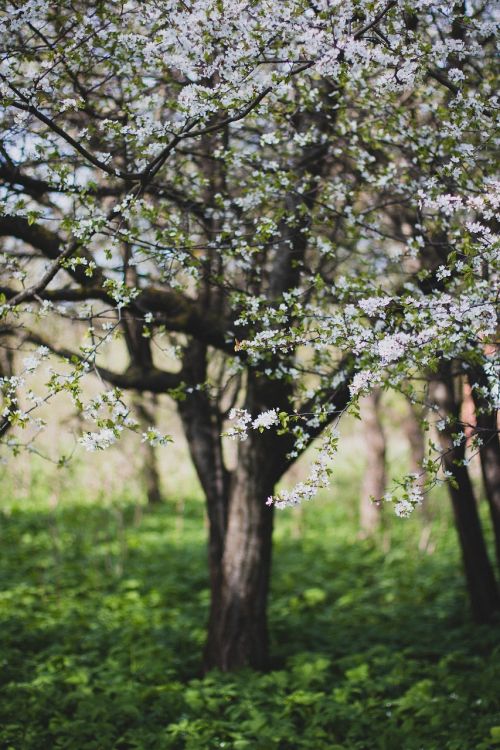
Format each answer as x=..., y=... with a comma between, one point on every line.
x=375, y=479
x=481, y=584
x=237, y=636
x=240, y=522
x=489, y=452
x=240, y=540
x=203, y=434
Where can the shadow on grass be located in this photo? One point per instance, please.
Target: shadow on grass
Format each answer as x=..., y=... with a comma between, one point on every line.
x=102, y=618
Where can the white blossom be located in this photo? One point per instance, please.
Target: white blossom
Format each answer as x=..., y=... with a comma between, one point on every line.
x=96, y=441
x=266, y=420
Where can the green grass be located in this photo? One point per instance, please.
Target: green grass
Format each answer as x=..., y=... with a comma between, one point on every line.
x=102, y=616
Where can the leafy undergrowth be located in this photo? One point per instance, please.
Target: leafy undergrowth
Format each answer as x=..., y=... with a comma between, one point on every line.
x=102, y=618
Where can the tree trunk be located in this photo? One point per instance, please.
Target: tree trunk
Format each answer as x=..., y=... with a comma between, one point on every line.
x=203, y=434
x=151, y=476
x=6, y=371
x=489, y=452
x=240, y=539
x=417, y=444
x=237, y=636
x=375, y=479
x=490, y=466
x=149, y=468
x=240, y=522
x=481, y=584
x=416, y=441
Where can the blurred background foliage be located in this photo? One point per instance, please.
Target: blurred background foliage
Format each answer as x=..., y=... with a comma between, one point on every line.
x=104, y=604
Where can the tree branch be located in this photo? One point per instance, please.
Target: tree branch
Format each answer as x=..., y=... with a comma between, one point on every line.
x=134, y=378
x=173, y=310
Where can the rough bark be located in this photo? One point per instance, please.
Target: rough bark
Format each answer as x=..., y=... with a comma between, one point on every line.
x=237, y=636
x=240, y=522
x=240, y=538
x=481, y=584
x=202, y=428
x=206, y=453
x=375, y=479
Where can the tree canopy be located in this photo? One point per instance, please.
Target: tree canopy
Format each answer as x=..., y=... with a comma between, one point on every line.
x=275, y=206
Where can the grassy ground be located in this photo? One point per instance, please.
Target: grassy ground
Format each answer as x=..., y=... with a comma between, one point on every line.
x=102, y=616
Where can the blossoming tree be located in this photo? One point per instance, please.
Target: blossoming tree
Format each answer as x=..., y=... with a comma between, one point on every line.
x=271, y=196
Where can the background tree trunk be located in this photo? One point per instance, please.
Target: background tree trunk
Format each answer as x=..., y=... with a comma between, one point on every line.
x=489, y=452
x=481, y=584
x=6, y=371
x=375, y=478
x=149, y=468
x=417, y=443
x=490, y=467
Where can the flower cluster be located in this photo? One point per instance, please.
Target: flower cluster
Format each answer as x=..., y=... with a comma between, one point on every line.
x=318, y=477
x=97, y=441
x=112, y=415
x=243, y=422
